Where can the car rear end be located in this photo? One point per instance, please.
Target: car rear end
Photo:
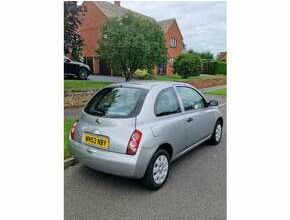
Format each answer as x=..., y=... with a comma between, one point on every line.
x=105, y=138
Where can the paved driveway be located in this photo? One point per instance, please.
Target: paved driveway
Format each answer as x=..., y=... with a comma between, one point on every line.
x=196, y=189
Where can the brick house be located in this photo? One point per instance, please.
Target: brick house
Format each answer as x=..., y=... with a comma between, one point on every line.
x=99, y=12
x=222, y=56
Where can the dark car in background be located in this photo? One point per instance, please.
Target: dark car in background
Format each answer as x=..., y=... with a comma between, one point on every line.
x=76, y=69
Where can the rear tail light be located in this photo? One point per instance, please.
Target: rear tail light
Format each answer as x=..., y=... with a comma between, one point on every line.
x=73, y=130
x=134, y=142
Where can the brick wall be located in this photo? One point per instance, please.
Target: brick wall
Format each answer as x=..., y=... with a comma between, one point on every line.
x=173, y=31
x=90, y=30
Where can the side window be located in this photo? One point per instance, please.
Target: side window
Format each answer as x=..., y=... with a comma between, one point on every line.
x=191, y=99
x=166, y=103
x=173, y=42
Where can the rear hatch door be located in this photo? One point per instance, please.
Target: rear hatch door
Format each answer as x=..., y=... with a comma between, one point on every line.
x=116, y=131
x=109, y=118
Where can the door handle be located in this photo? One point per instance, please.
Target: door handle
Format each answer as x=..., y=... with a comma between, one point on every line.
x=190, y=119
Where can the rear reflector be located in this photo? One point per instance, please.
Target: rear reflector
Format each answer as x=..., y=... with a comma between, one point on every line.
x=134, y=142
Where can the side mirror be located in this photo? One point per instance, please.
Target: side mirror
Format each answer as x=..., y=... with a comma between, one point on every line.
x=213, y=103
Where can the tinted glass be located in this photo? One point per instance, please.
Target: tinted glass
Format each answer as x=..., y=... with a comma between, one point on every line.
x=117, y=102
x=166, y=103
x=191, y=99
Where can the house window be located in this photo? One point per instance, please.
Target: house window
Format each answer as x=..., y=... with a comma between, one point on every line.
x=171, y=61
x=173, y=42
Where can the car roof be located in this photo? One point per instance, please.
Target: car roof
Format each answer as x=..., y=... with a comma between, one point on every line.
x=149, y=84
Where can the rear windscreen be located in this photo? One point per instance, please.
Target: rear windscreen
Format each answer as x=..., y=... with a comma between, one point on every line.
x=117, y=102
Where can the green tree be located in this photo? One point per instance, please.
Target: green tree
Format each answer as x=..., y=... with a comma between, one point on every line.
x=72, y=40
x=132, y=42
x=188, y=64
x=205, y=55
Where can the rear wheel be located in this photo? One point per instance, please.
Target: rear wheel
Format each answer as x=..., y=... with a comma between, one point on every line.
x=83, y=73
x=217, y=134
x=157, y=171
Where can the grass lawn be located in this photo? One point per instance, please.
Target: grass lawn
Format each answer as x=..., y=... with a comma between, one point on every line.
x=83, y=85
x=178, y=78
x=68, y=122
x=219, y=92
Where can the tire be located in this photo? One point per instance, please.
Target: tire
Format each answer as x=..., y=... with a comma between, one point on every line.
x=83, y=73
x=217, y=133
x=155, y=177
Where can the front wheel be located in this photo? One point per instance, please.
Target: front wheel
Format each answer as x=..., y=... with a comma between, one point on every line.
x=157, y=171
x=83, y=73
x=217, y=134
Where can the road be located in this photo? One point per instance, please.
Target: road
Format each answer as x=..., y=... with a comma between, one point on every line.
x=196, y=189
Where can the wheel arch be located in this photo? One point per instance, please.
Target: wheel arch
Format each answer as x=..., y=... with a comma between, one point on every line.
x=168, y=147
x=82, y=67
x=221, y=120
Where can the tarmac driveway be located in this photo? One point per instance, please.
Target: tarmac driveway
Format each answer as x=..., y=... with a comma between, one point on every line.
x=196, y=189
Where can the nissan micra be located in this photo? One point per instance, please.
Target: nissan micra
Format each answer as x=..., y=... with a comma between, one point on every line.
x=137, y=129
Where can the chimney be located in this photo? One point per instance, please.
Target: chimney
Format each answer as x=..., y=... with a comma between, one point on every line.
x=118, y=3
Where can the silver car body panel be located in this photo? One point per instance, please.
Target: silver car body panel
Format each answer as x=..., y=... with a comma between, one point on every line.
x=113, y=128
x=174, y=130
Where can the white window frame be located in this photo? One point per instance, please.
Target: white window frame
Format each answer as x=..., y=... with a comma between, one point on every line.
x=171, y=61
x=173, y=42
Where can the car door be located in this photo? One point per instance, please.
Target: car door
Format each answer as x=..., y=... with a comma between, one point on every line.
x=197, y=116
x=169, y=121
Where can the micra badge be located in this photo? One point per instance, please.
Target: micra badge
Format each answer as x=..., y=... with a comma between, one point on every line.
x=97, y=120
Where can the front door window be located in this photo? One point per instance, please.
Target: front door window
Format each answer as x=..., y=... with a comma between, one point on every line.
x=198, y=127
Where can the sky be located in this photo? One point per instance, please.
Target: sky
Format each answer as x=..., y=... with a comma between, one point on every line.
x=202, y=24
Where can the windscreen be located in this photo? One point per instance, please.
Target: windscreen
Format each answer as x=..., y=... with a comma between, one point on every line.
x=117, y=102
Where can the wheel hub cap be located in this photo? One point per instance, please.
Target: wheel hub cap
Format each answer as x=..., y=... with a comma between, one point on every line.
x=160, y=169
x=218, y=132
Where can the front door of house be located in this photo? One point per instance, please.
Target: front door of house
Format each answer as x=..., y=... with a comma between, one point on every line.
x=161, y=70
x=105, y=69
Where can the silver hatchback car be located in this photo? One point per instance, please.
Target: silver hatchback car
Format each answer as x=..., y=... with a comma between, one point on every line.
x=137, y=129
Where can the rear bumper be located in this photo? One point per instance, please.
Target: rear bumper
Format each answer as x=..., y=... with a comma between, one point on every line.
x=110, y=162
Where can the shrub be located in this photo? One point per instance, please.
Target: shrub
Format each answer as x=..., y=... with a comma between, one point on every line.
x=142, y=74
x=188, y=65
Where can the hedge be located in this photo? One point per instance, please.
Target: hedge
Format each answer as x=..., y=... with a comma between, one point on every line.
x=214, y=67
x=220, y=68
